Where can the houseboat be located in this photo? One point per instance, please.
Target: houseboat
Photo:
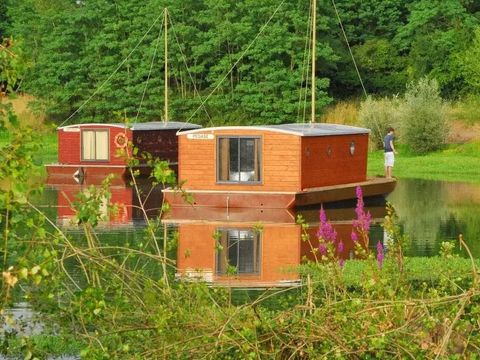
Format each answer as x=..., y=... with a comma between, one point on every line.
x=87, y=153
x=276, y=166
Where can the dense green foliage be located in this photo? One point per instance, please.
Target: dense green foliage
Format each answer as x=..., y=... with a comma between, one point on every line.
x=75, y=46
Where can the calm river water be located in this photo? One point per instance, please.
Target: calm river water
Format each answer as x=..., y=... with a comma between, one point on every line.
x=429, y=212
x=264, y=246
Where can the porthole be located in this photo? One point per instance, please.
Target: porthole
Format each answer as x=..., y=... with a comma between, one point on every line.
x=352, y=148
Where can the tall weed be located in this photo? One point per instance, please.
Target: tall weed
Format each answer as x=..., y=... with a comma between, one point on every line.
x=377, y=115
x=467, y=110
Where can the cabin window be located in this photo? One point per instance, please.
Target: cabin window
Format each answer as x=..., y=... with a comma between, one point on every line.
x=95, y=145
x=239, y=159
x=238, y=252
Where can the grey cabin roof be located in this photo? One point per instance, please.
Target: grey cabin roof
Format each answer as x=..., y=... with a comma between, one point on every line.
x=298, y=129
x=153, y=125
x=160, y=125
x=319, y=129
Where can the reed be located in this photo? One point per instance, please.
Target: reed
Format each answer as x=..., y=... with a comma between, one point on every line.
x=342, y=112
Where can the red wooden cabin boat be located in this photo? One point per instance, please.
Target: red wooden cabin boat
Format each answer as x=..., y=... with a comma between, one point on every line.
x=87, y=153
x=277, y=166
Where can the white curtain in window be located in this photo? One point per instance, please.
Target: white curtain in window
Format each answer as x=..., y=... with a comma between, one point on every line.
x=88, y=145
x=101, y=142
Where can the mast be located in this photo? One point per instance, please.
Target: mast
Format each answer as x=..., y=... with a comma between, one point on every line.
x=314, y=40
x=166, y=65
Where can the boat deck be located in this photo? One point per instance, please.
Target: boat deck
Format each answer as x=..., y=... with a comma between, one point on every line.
x=281, y=200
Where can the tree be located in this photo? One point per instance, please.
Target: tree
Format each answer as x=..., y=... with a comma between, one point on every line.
x=382, y=67
x=469, y=64
x=4, y=20
x=436, y=32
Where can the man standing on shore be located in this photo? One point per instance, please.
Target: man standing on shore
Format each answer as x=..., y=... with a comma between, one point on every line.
x=389, y=152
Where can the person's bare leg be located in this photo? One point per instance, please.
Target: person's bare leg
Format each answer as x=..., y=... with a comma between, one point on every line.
x=389, y=172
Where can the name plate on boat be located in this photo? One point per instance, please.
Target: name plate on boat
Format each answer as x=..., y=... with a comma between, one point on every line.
x=200, y=136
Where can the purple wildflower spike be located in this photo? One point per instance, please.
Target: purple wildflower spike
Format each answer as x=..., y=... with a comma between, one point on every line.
x=380, y=254
x=341, y=262
x=322, y=249
x=340, y=247
x=359, y=192
x=354, y=236
x=325, y=229
x=363, y=220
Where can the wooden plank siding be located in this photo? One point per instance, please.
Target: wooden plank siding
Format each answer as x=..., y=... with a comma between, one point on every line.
x=197, y=251
x=340, y=167
x=69, y=145
x=280, y=162
x=162, y=144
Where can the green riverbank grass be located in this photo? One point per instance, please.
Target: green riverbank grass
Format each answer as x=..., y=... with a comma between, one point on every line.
x=49, y=142
x=454, y=163
x=41, y=346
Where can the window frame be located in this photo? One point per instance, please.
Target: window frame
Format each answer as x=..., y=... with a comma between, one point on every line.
x=257, y=240
x=260, y=159
x=82, y=158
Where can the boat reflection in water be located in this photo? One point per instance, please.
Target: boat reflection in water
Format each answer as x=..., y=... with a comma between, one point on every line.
x=250, y=248
x=123, y=208
x=256, y=248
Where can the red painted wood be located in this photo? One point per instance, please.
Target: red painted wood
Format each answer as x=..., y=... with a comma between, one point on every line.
x=121, y=197
x=69, y=150
x=326, y=160
x=226, y=199
x=196, y=254
x=62, y=174
x=203, y=213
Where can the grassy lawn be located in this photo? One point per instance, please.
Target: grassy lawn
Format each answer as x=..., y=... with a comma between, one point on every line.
x=49, y=146
x=454, y=163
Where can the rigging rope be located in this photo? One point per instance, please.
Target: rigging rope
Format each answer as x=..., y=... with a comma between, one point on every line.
x=305, y=65
x=349, y=48
x=236, y=62
x=150, y=71
x=113, y=73
x=195, y=90
x=353, y=59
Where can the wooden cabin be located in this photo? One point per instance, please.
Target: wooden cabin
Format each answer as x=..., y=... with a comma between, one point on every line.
x=277, y=166
x=87, y=153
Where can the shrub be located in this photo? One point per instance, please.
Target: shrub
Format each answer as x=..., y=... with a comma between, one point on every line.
x=424, y=116
x=378, y=115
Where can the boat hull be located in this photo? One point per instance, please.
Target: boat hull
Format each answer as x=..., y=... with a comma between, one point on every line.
x=278, y=200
